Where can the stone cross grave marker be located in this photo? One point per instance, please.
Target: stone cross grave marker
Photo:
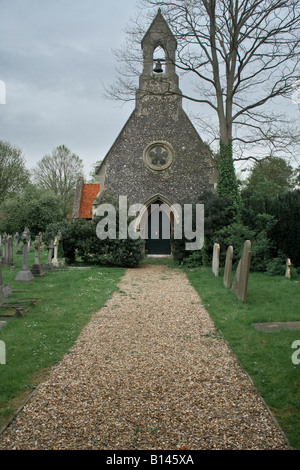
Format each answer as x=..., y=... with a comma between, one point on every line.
x=16, y=238
x=57, y=262
x=25, y=275
x=216, y=259
x=37, y=269
x=49, y=265
x=240, y=283
x=228, y=267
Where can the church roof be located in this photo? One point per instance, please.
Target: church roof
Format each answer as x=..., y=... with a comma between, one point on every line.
x=88, y=194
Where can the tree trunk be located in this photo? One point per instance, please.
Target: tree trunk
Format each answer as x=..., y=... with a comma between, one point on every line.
x=227, y=186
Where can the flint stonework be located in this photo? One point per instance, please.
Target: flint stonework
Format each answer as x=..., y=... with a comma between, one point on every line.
x=158, y=152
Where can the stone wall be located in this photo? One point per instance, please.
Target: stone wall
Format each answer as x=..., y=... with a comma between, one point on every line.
x=191, y=173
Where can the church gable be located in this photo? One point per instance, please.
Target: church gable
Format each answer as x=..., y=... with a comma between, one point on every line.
x=158, y=151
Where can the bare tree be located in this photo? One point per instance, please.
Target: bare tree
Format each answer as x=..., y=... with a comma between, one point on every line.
x=243, y=56
x=59, y=173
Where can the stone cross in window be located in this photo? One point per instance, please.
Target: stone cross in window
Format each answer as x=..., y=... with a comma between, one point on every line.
x=158, y=156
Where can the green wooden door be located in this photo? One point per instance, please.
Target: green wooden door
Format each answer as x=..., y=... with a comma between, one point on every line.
x=158, y=227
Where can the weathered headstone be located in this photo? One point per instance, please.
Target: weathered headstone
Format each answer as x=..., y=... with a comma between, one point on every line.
x=57, y=262
x=288, y=268
x=16, y=238
x=5, y=290
x=10, y=251
x=228, y=267
x=5, y=250
x=25, y=275
x=240, y=283
x=49, y=266
x=216, y=259
x=20, y=311
x=37, y=269
x=55, y=256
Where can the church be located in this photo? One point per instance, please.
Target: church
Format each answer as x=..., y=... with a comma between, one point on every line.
x=158, y=157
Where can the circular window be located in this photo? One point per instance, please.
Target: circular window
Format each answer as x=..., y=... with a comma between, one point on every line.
x=158, y=155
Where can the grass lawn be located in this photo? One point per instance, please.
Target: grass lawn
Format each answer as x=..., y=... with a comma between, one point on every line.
x=267, y=357
x=68, y=298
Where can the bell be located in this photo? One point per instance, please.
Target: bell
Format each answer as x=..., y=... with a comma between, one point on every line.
x=158, y=68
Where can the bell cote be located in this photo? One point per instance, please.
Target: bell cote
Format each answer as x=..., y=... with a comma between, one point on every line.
x=159, y=49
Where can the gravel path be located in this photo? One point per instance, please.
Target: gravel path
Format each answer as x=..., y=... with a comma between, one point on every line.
x=149, y=371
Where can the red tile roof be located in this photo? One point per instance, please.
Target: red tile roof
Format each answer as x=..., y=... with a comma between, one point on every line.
x=88, y=194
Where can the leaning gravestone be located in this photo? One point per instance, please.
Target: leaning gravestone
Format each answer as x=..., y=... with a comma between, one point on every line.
x=25, y=275
x=216, y=259
x=240, y=283
x=228, y=267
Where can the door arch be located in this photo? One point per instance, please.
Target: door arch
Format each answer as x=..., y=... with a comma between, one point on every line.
x=156, y=225
x=158, y=229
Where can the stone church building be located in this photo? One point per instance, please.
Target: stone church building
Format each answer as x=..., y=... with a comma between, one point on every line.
x=158, y=157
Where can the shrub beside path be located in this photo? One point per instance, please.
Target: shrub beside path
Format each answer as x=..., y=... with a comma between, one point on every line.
x=148, y=372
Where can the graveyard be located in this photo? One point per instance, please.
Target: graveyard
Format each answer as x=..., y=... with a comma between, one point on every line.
x=86, y=309
x=47, y=327
x=38, y=325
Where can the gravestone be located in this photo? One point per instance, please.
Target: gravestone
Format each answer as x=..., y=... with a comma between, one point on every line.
x=240, y=283
x=5, y=290
x=228, y=267
x=288, y=268
x=10, y=251
x=16, y=238
x=216, y=259
x=49, y=266
x=5, y=250
x=37, y=269
x=57, y=262
x=25, y=275
x=2, y=324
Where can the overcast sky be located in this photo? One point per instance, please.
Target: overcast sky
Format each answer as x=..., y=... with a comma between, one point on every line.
x=54, y=56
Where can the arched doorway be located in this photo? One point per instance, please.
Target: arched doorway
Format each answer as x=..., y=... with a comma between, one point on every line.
x=156, y=224
x=158, y=230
